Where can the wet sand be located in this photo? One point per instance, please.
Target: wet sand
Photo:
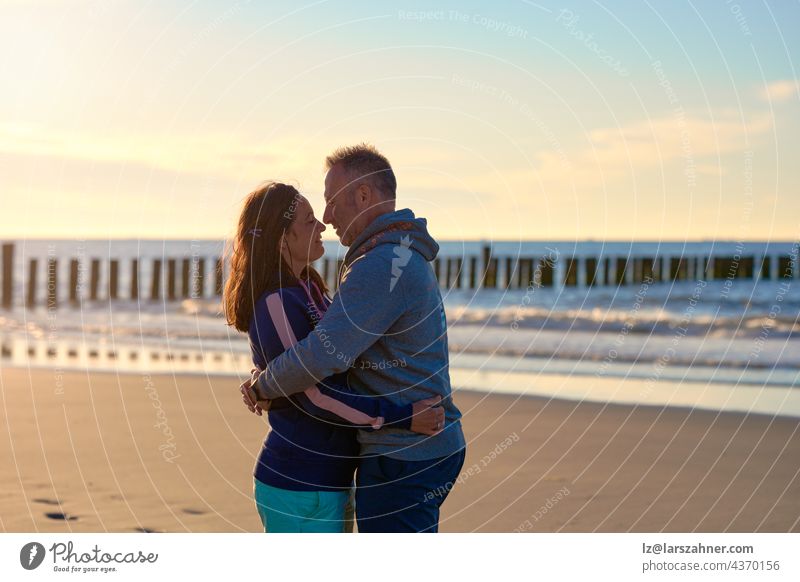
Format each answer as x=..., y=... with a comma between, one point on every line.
x=121, y=453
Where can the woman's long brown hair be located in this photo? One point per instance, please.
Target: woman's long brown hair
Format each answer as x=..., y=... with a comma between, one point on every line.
x=256, y=262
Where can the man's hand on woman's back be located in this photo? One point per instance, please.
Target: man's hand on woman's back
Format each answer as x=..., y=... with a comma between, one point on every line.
x=428, y=416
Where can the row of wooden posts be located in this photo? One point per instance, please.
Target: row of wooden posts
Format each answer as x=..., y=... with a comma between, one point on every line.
x=517, y=272
x=186, y=277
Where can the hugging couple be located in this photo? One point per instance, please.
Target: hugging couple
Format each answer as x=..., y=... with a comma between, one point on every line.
x=358, y=384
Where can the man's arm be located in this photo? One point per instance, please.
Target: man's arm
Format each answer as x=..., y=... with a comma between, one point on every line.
x=362, y=311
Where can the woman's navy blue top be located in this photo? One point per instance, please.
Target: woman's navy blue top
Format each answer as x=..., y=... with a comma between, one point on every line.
x=312, y=444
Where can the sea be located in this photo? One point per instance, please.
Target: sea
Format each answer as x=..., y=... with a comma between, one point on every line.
x=711, y=345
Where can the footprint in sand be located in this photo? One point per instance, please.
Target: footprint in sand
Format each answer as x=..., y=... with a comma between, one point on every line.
x=61, y=516
x=145, y=530
x=194, y=511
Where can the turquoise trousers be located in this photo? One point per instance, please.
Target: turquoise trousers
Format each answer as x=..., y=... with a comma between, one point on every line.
x=286, y=511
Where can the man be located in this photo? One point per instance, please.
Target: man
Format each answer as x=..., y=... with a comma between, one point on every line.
x=387, y=327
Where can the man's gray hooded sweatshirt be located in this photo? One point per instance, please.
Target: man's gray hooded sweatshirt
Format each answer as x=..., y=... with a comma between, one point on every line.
x=387, y=328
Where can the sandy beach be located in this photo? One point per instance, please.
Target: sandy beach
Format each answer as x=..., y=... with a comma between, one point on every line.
x=121, y=453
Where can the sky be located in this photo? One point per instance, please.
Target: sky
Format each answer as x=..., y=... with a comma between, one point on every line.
x=515, y=120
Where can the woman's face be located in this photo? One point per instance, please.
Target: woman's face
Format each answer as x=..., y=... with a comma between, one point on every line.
x=304, y=237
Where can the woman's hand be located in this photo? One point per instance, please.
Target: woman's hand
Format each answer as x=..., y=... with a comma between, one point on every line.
x=249, y=396
x=427, y=416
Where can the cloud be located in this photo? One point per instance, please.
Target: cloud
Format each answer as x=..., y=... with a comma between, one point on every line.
x=643, y=145
x=779, y=91
x=223, y=155
x=684, y=145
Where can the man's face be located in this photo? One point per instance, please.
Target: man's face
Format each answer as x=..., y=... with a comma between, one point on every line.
x=341, y=211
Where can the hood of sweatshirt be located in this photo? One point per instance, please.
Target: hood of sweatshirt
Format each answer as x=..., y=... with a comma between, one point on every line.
x=400, y=228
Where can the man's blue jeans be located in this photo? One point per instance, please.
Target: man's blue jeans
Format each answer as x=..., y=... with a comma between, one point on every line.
x=403, y=496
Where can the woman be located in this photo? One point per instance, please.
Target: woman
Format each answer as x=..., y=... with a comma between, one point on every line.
x=304, y=474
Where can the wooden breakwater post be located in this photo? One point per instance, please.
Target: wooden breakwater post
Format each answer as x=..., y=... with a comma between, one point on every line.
x=113, y=279
x=590, y=269
x=74, y=273
x=458, y=271
x=198, y=288
x=509, y=271
x=473, y=272
x=8, y=275
x=135, y=279
x=33, y=268
x=186, y=269
x=52, y=283
x=219, y=280
x=489, y=274
x=527, y=273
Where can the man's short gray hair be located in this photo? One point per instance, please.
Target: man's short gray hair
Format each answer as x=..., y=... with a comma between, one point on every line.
x=365, y=162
